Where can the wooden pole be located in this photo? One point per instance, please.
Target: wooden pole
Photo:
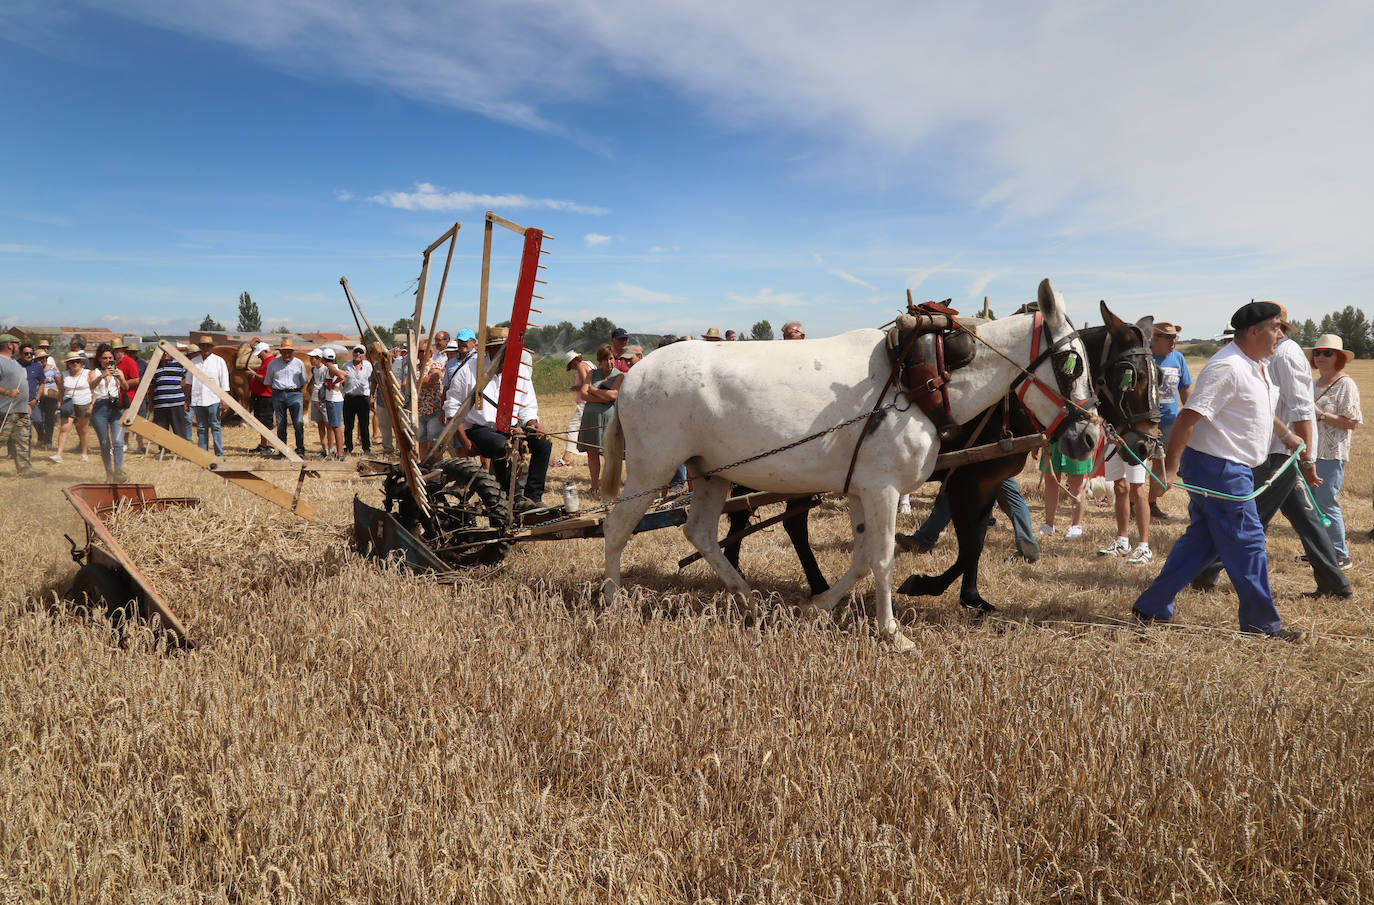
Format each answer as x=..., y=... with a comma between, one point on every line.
x=270, y=436
x=485, y=285
x=247, y=480
x=142, y=392
x=443, y=283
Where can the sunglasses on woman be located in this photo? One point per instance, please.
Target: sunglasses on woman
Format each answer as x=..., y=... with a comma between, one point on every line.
x=1322, y=353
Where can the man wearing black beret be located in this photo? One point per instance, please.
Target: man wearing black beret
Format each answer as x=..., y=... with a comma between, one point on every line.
x=1222, y=432
x=1290, y=371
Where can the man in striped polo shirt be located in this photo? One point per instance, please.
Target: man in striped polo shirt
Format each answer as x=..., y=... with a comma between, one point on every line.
x=170, y=399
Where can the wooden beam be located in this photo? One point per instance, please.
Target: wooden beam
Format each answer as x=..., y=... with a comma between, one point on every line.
x=443, y=283
x=449, y=234
x=248, y=481
x=485, y=286
x=508, y=224
x=989, y=451
x=143, y=386
x=293, y=467
x=247, y=416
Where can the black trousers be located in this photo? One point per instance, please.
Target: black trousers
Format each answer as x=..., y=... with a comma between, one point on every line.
x=1288, y=496
x=265, y=412
x=491, y=443
x=356, y=409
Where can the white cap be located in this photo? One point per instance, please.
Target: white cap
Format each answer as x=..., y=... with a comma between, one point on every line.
x=453, y=346
x=329, y=354
x=261, y=348
x=315, y=353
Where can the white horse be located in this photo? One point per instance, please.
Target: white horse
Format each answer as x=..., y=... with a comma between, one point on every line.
x=713, y=404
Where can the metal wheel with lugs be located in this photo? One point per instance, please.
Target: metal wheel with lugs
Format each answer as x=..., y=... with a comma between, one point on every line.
x=470, y=522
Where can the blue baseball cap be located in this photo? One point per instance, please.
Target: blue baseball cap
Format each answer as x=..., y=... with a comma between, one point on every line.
x=464, y=335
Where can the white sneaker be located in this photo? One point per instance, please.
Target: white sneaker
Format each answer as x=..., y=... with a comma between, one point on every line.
x=1046, y=529
x=1119, y=547
x=1074, y=532
x=85, y=458
x=56, y=457
x=1141, y=555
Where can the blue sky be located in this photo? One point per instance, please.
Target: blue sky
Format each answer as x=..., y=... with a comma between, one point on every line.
x=701, y=164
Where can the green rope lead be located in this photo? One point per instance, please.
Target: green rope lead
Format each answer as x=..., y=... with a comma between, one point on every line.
x=1218, y=495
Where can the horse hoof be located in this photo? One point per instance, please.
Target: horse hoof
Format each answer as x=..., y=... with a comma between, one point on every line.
x=980, y=606
x=901, y=643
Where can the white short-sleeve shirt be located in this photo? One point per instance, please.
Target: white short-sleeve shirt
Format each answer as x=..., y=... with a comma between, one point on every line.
x=1237, y=401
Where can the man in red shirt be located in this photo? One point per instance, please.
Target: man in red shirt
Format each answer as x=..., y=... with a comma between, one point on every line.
x=261, y=393
x=128, y=366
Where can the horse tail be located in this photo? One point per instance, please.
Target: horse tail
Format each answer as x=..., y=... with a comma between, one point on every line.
x=612, y=456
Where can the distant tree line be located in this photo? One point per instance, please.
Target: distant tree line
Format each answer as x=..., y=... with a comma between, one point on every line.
x=1350, y=324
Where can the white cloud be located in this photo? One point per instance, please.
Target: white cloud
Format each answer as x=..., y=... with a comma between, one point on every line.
x=1224, y=124
x=430, y=197
x=979, y=286
x=595, y=239
x=768, y=298
x=663, y=250
x=850, y=278
x=630, y=293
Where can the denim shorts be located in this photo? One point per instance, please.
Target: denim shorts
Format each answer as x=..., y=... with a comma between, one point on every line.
x=334, y=412
x=69, y=409
x=431, y=427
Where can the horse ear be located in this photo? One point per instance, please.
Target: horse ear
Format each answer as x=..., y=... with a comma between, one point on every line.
x=1147, y=327
x=1050, y=306
x=1114, y=323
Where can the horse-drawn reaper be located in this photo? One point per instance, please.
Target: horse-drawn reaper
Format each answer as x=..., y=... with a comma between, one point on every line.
x=827, y=415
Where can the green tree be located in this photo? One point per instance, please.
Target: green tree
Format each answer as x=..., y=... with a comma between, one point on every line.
x=250, y=319
x=596, y=331
x=282, y=329
x=209, y=323
x=402, y=325
x=1307, y=333
x=1353, y=329
x=762, y=330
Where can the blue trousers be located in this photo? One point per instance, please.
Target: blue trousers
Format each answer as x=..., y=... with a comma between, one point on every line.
x=1332, y=473
x=207, y=427
x=287, y=403
x=109, y=432
x=1218, y=528
x=1008, y=498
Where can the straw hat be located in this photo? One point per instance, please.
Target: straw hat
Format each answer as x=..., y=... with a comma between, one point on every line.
x=712, y=335
x=205, y=340
x=1333, y=342
x=286, y=343
x=1167, y=329
x=497, y=335
x=75, y=356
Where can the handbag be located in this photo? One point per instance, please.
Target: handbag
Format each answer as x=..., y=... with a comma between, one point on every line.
x=49, y=392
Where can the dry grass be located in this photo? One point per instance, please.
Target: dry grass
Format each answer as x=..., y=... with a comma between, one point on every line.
x=347, y=733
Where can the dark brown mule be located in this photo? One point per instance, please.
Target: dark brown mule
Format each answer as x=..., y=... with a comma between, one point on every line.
x=1125, y=381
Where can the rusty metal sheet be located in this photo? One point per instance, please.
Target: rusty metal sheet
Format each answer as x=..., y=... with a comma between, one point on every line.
x=93, y=502
x=379, y=535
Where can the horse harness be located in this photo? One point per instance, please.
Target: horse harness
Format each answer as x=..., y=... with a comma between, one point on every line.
x=927, y=343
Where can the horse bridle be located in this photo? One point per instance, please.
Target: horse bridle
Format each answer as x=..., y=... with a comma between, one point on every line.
x=1119, y=373
x=1068, y=366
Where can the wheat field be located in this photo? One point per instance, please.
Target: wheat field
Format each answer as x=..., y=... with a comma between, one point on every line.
x=346, y=732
